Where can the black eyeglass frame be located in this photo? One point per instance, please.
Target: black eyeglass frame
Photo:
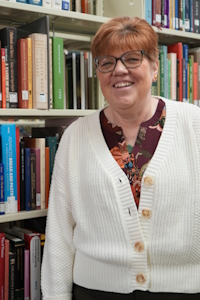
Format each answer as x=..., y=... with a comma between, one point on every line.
x=120, y=58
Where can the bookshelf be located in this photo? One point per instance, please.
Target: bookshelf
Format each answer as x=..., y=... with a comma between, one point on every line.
x=77, y=30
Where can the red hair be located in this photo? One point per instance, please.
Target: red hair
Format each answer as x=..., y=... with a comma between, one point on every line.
x=125, y=32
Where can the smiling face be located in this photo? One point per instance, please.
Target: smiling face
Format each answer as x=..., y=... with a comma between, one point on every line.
x=128, y=89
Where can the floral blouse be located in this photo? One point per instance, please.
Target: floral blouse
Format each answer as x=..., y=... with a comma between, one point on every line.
x=134, y=159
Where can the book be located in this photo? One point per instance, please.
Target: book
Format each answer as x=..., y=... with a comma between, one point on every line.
x=2, y=264
x=154, y=12
x=180, y=14
x=0, y=79
x=161, y=58
x=187, y=15
x=8, y=158
x=2, y=200
x=56, y=4
x=22, y=176
x=51, y=75
x=51, y=143
x=33, y=175
x=36, y=151
x=8, y=37
x=17, y=246
x=83, y=80
x=195, y=83
x=6, y=271
x=22, y=73
x=35, y=2
x=32, y=243
x=58, y=88
x=27, y=173
x=177, y=48
x=12, y=267
x=158, y=13
x=196, y=52
x=7, y=78
x=196, y=16
x=173, y=57
x=18, y=166
x=3, y=78
x=46, y=3
x=26, y=274
x=47, y=176
x=69, y=83
x=169, y=78
x=185, y=72
x=39, y=70
x=190, y=81
x=191, y=15
x=39, y=143
x=30, y=78
x=66, y=5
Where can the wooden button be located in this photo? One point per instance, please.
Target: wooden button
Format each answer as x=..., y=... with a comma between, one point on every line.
x=146, y=213
x=148, y=180
x=141, y=279
x=139, y=247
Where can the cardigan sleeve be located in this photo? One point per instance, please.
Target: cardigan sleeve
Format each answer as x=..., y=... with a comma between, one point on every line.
x=58, y=257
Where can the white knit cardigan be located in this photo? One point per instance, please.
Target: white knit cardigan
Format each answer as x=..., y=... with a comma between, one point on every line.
x=93, y=226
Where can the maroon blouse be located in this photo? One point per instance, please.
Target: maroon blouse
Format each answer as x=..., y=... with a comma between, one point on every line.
x=134, y=159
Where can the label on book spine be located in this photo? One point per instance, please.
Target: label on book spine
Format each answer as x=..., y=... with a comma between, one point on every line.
x=13, y=98
x=0, y=96
x=38, y=200
x=11, y=205
x=24, y=95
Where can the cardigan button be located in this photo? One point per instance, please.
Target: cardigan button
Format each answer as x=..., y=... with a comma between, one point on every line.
x=146, y=213
x=141, y=278
x=139, y=247
x=148, y=180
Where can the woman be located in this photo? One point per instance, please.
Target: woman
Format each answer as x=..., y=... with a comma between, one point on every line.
x=124, y=211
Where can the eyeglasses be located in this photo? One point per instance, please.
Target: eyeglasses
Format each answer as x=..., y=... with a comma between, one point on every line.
x=130, y=60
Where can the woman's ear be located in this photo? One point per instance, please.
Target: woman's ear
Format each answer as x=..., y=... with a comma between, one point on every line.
x=155, y=69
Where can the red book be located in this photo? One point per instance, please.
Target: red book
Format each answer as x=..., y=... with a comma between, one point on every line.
x=158, y=13
x=18, y=165
x=22, y=71
x=84, y=6
x=3, y=77
x=6, y=278
x=2, y=264
x=195, y=83
x=47, y=176
x=177, y=48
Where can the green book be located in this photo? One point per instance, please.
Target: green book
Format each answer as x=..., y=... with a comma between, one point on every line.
x=51, y=142
x=161, y=58
x=58, y=79
x=191, y=61
x=154, y=90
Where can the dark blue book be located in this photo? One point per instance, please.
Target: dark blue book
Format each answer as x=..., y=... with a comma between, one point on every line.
x=27, y=172
x=191, y=15
x=196, y=16
x=187, y=15
x=185, y=71
x=176, y=15
x=2, y=202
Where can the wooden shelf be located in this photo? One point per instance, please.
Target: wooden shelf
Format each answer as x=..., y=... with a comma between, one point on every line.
x=15, y=14
x=19, y=113
x=23, y=215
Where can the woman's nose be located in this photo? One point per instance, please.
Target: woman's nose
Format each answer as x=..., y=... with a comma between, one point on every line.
x=120, y=68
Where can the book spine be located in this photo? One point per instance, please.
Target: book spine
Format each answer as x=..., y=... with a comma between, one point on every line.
x=196, y=16
x=56, y=4
x=35, y=2
x=12, y=262
x=22, y=176
x=22, y=67
x=180, y=15
x=165, y=73
x=169, y=78
x=183, y=14
x=7, y=77
x=33, y=180
x=66, y=5
x=27, y=179
x=30, y=79
x=58, y=88
x=158, y=13
x=3, y=78
x=195, y=83
x=178, y=82
x=185, y=56
x=37, y=184
x=154, y=12
x=148, y=11
x=6, y=276
x=2, y=200
x=176, y=15
x=191, y=15
x=190, y=81
x=8, y=148
x=0, y=79
x=154, y=91
x=161, y=56
x=35, y=262
x=47, y=3
x=12, y=57
x=2, y=264
x=184, y=81
x=187, y=15
x=163, y=13
x=47, y=174
x=18, y=166
x=51, y=74
x=26, y=274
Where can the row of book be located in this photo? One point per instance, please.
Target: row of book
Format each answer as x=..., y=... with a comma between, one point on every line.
x=26, y=166
x=174, y=14
x=24, y=71
x=20, y=263
x=93, y=7
x=178, y=75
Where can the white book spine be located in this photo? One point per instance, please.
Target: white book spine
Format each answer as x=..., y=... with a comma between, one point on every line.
x=46, y=3
x=56, y=4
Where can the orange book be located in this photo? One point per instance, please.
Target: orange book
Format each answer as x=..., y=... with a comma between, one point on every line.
x=84, y=6
x=22, y=72
x=195, y=83
x=47, y=177
x=177, y=48
x=6, y=271
x=3, y=77
x=18, y=165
